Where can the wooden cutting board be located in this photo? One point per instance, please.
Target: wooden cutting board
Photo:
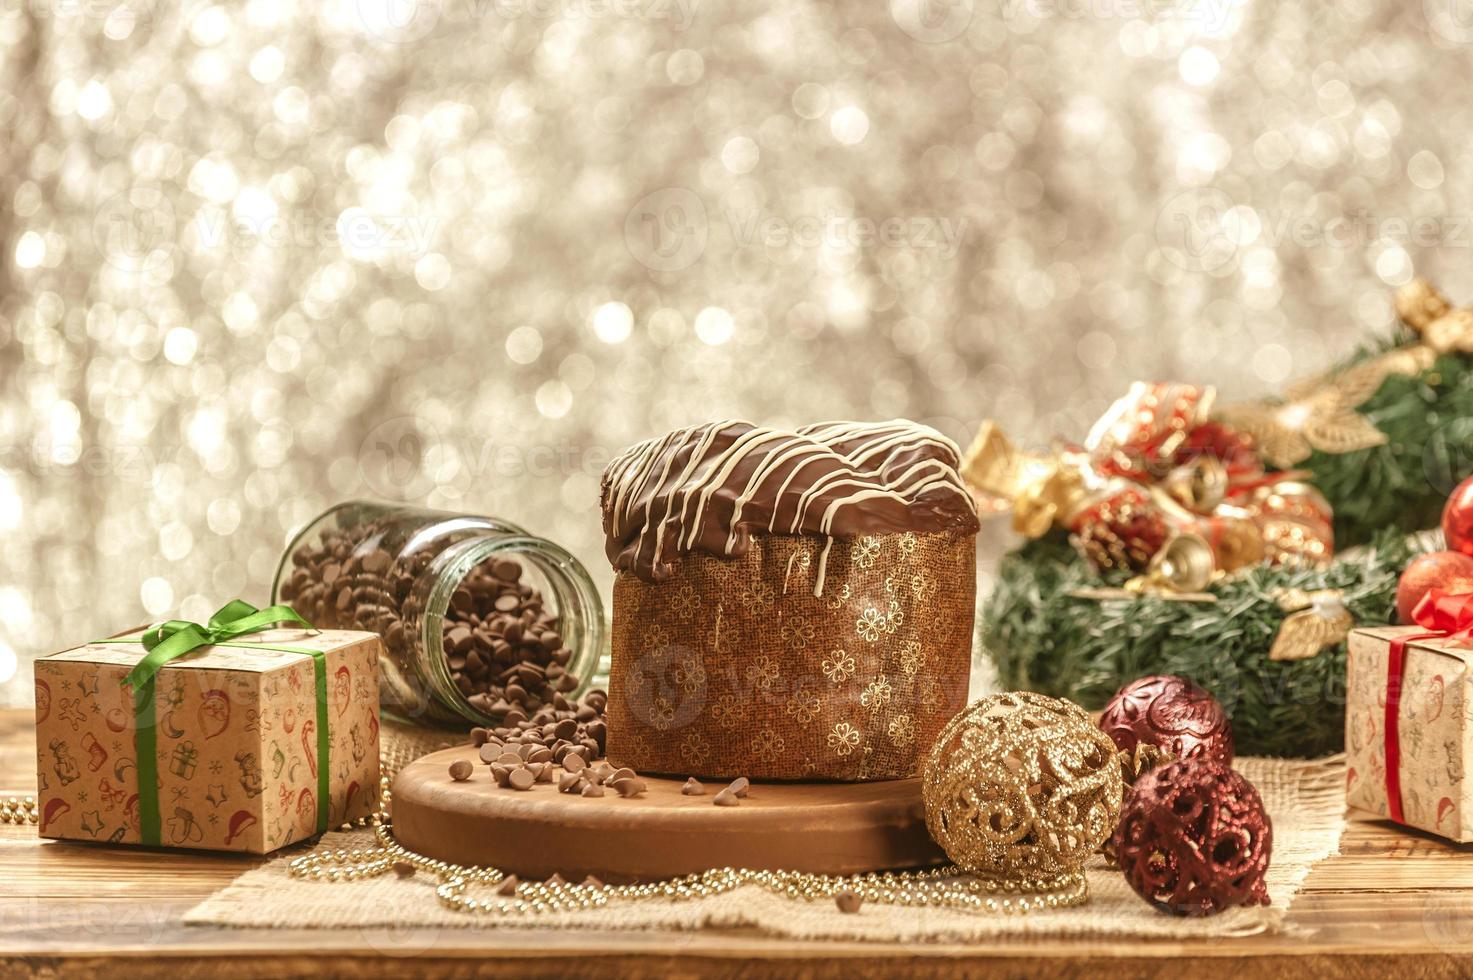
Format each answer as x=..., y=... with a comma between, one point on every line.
x=824, y=828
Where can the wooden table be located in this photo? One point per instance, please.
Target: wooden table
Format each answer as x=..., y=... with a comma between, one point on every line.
x=1393, y=903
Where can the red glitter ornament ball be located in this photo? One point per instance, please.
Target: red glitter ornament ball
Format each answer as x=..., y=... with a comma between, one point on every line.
x=1457, y=518
x=1194, y=839
x=1170, y=713
x=1450, y=571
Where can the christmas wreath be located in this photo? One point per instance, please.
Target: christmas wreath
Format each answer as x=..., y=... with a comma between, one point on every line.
x=1184, y=538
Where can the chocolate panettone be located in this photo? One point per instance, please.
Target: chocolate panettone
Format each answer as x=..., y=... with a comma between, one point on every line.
x=788, y=605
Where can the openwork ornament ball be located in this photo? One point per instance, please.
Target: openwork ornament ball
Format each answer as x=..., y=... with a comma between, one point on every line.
x=1021, y=786
x=1171, y=713
x=1194, y=839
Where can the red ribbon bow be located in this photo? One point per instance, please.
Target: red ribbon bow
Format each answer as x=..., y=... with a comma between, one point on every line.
x=1444, y=615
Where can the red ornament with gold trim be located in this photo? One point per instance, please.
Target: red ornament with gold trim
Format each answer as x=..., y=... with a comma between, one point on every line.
x=1450, y=571
x=1120, y=528
x=1194, y=839
x=1171, y=713
x=1457, y=518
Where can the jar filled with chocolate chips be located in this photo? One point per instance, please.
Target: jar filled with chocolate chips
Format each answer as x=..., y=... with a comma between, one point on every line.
x=480, y=620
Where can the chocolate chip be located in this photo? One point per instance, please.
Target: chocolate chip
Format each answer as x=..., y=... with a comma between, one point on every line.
x=848, y=902
x=508, y=758
x=739, y=786
x=592, y=789
x=521, y=778
x=479, y=736
x=404, y=869
x=628, y=786
x=573, y=762
x=506, y=570
x=461, y=769
x=726, y=798
x=692, y=787
x=569, y=782
x=591, y=882
x=508, y=885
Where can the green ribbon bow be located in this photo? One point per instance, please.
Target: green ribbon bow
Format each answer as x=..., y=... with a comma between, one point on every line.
x=170, y=641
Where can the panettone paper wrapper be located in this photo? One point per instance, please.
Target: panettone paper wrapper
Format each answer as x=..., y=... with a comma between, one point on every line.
x=735, y=667
x=1435, y=722
x=236, y=741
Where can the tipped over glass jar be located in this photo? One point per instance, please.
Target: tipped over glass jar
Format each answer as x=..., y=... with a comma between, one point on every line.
x=480, y=620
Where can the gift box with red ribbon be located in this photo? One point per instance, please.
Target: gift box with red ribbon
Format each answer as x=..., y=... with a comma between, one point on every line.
x=1409, y=718
x=236, y=735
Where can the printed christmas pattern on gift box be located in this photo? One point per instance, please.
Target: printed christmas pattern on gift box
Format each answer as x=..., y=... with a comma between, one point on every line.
x=247, y=757
x=1406, y=762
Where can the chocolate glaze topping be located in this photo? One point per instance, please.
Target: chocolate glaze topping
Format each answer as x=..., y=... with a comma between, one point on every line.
x=707, y=487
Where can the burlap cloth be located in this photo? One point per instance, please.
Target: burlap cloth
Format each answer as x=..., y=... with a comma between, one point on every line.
x=1306, y=801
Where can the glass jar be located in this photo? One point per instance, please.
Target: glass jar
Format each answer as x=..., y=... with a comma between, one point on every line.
x=479, y=618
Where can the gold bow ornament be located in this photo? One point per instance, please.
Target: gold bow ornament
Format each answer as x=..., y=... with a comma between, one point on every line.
x=1321, y=414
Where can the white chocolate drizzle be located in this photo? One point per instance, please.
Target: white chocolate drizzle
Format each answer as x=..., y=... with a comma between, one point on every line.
x=707, y=487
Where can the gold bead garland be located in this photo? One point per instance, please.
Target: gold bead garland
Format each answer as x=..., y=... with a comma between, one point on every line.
x=1022, y=786
x=18, y=809
x=941, y=887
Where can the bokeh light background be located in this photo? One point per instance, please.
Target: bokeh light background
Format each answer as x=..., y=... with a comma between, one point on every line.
x=256, y=258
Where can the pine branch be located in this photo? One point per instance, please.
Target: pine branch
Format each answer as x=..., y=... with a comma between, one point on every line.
x=1045, y=640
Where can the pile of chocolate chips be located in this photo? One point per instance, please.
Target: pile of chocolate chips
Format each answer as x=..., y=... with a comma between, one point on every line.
x=559, y=729
x=502, y=647
x=526, y=751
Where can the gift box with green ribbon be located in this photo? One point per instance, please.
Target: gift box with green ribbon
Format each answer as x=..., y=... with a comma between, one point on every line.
x=246, y=733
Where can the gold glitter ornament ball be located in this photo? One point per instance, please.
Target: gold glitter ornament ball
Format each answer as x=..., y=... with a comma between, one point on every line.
x=1021, y=785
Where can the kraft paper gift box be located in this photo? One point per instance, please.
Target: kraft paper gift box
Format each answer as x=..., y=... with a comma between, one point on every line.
x=247, y=755
x=1431, y=738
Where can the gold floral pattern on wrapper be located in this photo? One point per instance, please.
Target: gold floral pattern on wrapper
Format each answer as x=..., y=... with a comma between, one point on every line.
x=739, y=657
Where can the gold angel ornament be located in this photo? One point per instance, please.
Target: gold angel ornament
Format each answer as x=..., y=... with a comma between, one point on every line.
x=1316, y=620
